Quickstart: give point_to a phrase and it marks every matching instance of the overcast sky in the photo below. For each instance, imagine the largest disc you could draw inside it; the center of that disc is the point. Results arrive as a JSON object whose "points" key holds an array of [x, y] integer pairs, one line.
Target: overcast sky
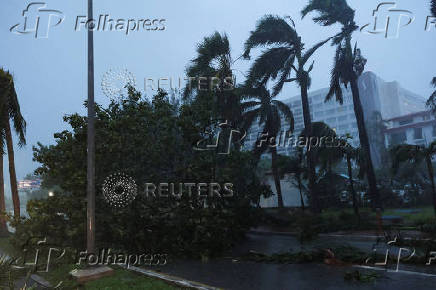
{"points": [[50, 74]]}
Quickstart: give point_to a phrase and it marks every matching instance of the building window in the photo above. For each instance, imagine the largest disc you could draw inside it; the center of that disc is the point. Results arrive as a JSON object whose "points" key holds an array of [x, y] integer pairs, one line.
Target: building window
{"points": [[342, 118], [398, 138], [417, 133], [331, 120], [405, 122]]}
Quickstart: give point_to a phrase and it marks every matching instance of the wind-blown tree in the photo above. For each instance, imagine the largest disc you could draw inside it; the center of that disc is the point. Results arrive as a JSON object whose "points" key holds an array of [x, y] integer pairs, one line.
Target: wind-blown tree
{"points": [[433, 7], [352, 154], [213, 78], [324, 156], [295, 166], [431, 102], [285, 54], [261, 105], [347, 68], [416, 154], [10, 111]]}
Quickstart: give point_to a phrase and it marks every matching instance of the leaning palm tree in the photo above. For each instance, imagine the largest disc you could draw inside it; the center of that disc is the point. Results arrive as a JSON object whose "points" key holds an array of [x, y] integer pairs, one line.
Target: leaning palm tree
{"points": [[431, 102], [416, 154], [262, 106], [285, 55], [297, 168], [10, 111], [213, 75], [348, 66], [352, 154], [433, 7]]}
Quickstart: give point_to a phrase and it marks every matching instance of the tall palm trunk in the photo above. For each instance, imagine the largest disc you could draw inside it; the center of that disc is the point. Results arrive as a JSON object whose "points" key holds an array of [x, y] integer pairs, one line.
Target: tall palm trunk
{"points": [[363, 136], [310, 163], [353, 192], [3, 226], [276, 177], [12, 174], [301, 192], [431, 176]]}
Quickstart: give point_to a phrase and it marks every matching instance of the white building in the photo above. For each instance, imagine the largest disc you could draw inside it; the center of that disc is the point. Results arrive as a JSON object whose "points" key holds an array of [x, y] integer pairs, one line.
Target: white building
{"points": [[387, 98], [415, 129]]}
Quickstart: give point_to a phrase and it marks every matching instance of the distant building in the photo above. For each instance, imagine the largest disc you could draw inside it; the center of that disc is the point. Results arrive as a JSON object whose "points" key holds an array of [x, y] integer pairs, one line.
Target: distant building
{"points": [[388, 99], [29, 184], [416, 129]]}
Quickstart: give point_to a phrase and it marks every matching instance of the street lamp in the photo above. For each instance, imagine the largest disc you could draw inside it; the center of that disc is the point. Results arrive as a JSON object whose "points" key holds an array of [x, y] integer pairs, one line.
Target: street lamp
{"points": [[90, 189]]}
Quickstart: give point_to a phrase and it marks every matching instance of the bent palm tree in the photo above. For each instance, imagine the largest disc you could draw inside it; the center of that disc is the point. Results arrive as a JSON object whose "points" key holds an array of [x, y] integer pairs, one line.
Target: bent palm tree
{"points": [[261, 105], [416, 154], [433, 7], [347, 68], [10, 111], [212, 68], [352, 154], [431, 102], [284, 55]]}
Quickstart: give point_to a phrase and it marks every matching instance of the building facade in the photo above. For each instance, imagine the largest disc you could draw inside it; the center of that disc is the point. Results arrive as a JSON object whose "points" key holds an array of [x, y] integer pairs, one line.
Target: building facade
{"points": [[379, 98], [415, 129]]}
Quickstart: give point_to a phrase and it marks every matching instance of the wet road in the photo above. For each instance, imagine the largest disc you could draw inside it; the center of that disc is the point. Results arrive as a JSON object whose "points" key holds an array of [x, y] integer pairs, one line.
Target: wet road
{"points": [[228, 274]]}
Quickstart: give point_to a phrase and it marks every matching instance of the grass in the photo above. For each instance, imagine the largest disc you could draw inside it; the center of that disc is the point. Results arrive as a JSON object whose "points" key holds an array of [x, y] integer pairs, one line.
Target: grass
{"points": [[426, 215], [122, 279]]}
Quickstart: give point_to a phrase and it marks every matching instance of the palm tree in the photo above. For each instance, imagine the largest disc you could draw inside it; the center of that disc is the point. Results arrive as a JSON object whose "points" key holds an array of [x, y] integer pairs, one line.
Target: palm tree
{"points": [[295, 166], [431, 102], [10, 110], [285, 54], [416, 154], [433, 7], [352, 154], [261, 105], [214, 60], [348, 66]]}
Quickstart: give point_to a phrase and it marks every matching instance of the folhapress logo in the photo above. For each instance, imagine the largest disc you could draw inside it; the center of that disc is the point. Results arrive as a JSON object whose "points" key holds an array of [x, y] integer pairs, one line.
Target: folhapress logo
{"points": [[38, 20]]}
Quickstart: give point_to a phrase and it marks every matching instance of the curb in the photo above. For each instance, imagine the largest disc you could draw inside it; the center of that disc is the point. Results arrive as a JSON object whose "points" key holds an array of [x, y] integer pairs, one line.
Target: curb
{"points": [[172, 279], [353, 237]]}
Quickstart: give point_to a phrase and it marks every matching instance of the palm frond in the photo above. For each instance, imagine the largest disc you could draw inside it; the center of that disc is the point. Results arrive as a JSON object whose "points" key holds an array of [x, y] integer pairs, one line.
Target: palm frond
{"points": [[433, 7], [271, 30], [313, 49], [269, 64], [287, 113], [329, 11]]}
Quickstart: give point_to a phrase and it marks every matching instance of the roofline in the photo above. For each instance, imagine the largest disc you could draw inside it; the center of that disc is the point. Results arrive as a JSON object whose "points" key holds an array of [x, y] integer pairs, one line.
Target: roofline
{"points": [[420, 113]]}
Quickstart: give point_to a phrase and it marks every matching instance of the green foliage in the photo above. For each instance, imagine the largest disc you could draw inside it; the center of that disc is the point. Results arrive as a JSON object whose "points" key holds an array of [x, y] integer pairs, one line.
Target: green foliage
{"points": [[152, 142]]}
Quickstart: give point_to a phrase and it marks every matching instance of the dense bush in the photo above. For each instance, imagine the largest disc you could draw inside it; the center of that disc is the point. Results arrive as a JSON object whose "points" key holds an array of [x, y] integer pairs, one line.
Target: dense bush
{"points": [[151, 141]]}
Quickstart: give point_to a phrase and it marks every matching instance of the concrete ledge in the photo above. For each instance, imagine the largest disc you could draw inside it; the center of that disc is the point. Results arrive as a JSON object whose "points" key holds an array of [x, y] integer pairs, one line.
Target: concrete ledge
{"points": [[86, 275], [172, 279]]}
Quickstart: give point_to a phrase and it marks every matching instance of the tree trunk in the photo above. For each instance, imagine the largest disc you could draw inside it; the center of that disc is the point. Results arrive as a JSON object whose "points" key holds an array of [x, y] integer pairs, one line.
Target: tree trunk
{"points": [[276, 177], [301, 193], [310, 163], [364, 142], [12, 174], [431, 176], [353, 192], [3, 226]]}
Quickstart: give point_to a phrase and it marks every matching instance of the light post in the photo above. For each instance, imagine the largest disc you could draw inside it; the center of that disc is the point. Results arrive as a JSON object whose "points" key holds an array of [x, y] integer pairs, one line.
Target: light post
{"points": [[90, 189]]}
